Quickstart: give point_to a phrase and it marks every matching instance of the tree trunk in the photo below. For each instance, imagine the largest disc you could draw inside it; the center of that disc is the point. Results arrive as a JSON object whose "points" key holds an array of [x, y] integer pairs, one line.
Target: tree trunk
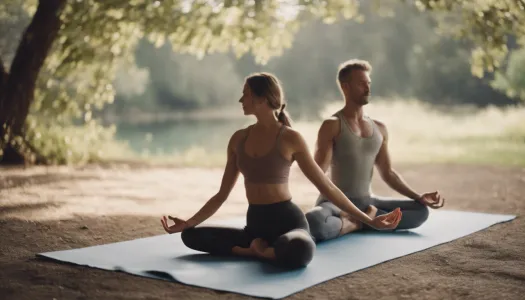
{"points": [[3, 80], [3, 77], [17, 88]]}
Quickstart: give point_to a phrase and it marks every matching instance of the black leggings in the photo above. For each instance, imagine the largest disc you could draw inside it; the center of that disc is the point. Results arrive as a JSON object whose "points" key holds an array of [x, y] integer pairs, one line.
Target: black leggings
{"points": [[283, 225], [325, 222]]}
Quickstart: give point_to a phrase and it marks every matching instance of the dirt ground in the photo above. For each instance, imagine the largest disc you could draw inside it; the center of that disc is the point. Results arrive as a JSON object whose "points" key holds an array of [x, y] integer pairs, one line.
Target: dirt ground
{"points": [[57, 208]]}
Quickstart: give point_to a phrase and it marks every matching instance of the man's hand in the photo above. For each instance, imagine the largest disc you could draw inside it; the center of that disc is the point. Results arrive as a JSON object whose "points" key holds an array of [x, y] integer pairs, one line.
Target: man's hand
{"points": [[179, 225], [432, 200]]}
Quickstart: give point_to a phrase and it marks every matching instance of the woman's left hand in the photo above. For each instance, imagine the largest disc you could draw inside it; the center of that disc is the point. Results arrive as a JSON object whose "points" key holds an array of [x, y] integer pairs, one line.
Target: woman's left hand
{"points": [[387, 221], [179, 225]]}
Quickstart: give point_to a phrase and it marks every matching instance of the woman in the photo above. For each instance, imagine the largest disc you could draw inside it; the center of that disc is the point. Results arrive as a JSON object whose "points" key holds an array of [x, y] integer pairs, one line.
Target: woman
{"points": [[276, 229]]}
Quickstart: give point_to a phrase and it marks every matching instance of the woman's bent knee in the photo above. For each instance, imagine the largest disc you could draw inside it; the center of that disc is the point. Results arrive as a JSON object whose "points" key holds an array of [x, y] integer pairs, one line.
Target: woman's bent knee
{"points": [[295, 249], [188, 237]]}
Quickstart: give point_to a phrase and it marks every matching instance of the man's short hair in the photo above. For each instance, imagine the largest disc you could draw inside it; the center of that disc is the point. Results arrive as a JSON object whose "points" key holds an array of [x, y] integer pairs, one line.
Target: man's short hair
{"points": [[346, 68]]}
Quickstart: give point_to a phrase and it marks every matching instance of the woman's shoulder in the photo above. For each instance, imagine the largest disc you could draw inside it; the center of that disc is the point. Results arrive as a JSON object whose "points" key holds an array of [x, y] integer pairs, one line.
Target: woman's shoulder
{"points": [[239, 134], [291, 135]]}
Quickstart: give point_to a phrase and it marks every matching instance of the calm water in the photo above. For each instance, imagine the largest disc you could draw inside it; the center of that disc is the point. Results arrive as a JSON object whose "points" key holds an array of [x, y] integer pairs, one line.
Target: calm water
{"points": [[179, 136]]}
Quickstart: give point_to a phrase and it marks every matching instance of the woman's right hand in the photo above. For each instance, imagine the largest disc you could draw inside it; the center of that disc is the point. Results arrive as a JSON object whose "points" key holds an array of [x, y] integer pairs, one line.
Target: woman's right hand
{"points": [[387, 221], [179, 225]]}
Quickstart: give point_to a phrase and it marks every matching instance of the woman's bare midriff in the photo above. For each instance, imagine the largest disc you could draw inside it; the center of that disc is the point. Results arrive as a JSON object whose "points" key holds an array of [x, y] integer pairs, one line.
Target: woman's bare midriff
{"points": [[267, 193]]}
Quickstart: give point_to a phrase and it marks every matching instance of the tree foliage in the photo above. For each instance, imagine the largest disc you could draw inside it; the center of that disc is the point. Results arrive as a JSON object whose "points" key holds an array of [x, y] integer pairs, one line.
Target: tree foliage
{"points": [[489, 24], [410, 60], [96, 36], [511, 78]]}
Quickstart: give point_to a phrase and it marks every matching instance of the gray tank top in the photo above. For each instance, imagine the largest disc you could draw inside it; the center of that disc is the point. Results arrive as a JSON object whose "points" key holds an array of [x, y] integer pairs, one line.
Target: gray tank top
{"points": [[353, 159]]}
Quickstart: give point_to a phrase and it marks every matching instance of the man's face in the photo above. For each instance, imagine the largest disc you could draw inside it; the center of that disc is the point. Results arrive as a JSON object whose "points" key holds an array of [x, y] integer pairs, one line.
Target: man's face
{"points": [[358, 87]]}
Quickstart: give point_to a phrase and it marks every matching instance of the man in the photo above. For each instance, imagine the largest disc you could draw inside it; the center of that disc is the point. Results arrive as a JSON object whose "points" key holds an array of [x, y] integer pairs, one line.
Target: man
{"points": [[352, 143]]}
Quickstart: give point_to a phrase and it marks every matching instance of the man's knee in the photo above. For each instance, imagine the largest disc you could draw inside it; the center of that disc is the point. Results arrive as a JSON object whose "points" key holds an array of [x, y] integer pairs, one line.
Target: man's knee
{"points": [[314, 215], [316, 221], [423, 213], [295, 249]]}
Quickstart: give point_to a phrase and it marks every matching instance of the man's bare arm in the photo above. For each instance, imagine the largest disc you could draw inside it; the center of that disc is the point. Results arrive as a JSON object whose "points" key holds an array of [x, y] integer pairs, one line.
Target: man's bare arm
{"points": [[383, 164], [324, 144]]}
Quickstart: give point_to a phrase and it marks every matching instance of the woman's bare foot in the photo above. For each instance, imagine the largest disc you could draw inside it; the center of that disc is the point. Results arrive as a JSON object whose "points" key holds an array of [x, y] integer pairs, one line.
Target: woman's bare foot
{"points": [[350, 224], [261, 249], [371, 211], [242, 251]]}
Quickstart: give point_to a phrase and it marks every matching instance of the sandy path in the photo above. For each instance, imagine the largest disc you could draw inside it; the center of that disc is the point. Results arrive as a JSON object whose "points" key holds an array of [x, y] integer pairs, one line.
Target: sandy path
{"points": [[47, 209]]}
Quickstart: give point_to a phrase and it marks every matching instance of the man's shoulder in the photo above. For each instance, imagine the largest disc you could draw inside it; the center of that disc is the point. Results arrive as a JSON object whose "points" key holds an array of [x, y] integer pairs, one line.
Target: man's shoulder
{"points": [[380, 125], [329, 128], [332, 121]]}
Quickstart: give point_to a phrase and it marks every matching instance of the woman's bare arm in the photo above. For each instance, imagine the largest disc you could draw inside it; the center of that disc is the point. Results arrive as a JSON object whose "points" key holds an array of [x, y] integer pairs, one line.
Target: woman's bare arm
{"points": [[325, 186], [229, 178]]}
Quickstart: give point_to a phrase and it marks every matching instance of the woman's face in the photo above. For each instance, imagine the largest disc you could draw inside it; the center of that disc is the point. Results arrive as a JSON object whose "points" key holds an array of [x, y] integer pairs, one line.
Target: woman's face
{"points": [[250, 102]]}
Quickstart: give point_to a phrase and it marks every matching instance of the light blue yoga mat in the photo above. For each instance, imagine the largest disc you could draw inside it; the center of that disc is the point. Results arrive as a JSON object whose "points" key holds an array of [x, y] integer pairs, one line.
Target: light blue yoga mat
{"points": [[166, 257]]}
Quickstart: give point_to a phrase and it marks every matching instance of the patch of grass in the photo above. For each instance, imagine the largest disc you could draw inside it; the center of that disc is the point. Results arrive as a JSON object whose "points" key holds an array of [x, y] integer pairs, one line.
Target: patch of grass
{"points": [[419, 133], [506, 149]]}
